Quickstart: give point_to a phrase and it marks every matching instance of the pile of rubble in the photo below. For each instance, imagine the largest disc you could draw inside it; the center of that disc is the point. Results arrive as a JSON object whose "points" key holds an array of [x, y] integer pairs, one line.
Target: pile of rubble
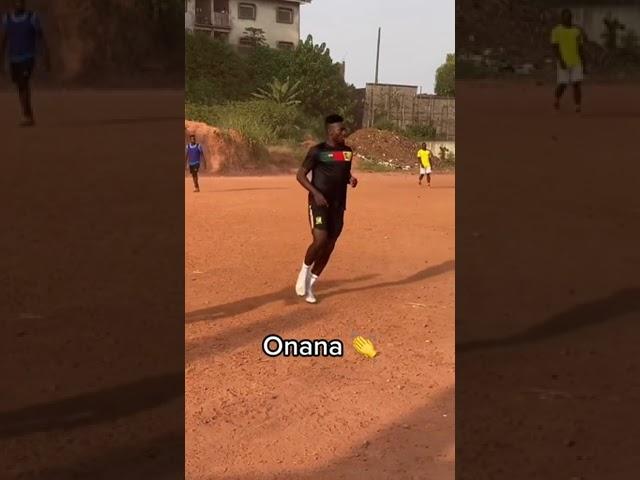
{"points": [[385, 148]]}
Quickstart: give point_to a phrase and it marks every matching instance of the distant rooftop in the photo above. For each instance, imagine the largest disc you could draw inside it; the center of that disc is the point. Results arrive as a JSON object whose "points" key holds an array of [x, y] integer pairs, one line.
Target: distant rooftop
{"points": [[391, 85]]}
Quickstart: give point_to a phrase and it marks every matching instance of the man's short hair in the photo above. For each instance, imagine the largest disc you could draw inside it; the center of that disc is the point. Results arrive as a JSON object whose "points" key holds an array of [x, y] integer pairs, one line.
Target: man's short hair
{"points": [[334, 118]]}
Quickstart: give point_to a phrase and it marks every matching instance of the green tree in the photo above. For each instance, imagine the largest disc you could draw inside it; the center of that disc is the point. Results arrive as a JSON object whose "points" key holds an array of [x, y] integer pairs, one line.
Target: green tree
{"points": [[216, 73], [264, 64], [213, 71], [446, 77], [282, 93], [322, 86], [254, 37]]}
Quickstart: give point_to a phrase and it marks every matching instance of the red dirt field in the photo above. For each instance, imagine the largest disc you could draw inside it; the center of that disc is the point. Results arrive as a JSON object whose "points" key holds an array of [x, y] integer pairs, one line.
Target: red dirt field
{"points": [[547, 291], [91, 373], [391, 279]]}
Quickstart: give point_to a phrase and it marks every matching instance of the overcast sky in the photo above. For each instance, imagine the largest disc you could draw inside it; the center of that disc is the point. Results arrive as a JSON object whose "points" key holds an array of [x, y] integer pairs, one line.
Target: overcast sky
{"points": [[416, 36]]}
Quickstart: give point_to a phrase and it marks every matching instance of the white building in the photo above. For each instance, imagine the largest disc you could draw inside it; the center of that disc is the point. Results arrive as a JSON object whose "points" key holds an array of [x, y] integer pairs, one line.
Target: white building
{"points": [[228, 19]]}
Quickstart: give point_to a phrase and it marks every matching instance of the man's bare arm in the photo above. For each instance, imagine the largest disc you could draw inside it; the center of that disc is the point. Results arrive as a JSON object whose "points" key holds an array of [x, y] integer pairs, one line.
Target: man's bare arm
{"points": [[558, 54], [301, 176]]}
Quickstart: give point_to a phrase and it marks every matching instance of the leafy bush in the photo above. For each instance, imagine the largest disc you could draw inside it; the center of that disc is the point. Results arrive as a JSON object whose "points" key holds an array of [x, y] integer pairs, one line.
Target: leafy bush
{"points": [[213, 71], [448, 163], [446, 77], [383, 124], [421, 132], [263, 64], [260, 121], [322, 86], [284, 93], [216, 73]]}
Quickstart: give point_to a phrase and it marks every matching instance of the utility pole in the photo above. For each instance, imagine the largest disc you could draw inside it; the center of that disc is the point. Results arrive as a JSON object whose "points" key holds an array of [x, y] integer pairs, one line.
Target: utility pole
{"points": [[378, 54]]}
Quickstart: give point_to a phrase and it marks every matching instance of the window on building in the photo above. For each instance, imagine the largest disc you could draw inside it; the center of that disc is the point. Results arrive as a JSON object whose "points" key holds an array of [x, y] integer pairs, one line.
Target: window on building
{"points": [[203, 12], [285, 45], [284, 15], [246, 11]]}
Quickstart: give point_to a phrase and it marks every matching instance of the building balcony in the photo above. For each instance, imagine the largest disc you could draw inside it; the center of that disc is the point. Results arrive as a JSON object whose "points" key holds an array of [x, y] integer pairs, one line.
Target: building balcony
{"points": [[221, 20], [209, 21]]}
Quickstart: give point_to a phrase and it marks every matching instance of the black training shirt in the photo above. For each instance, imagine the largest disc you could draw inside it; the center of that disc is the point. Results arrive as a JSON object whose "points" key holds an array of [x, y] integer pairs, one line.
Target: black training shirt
{"points": [[331, 170]]}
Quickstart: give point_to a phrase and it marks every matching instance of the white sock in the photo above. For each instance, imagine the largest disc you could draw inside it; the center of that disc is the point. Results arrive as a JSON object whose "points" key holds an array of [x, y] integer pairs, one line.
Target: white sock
{"points": [[313, 279]]}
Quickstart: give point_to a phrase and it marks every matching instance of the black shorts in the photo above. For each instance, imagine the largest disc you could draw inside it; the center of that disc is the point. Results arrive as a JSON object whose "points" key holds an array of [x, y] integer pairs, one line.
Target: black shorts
{"points": [[194, 168], [21, 71], [329, 218]]}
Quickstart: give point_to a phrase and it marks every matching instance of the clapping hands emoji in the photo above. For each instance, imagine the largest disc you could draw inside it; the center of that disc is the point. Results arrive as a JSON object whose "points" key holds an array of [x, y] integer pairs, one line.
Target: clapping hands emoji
{"points": [[364, 347]]}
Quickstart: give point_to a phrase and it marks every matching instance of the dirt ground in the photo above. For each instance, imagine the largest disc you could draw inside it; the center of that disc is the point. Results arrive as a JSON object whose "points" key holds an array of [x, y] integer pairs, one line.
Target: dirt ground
{"points": [[91, 369], [547, 292], [250, 417]]}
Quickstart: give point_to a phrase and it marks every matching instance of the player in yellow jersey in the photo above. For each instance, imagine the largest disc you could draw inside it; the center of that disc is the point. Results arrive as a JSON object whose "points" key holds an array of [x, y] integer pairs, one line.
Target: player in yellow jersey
{"points": [[568, 46], [425, 155]]}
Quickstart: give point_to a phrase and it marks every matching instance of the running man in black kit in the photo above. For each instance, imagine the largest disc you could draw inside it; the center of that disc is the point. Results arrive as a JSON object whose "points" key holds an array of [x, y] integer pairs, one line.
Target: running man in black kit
{"points": [[330, 166]]}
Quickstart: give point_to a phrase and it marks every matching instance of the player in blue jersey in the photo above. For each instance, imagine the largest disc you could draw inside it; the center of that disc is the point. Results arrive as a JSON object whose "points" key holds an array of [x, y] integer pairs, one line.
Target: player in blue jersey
{"points": [[21, 36], [194, 157]]}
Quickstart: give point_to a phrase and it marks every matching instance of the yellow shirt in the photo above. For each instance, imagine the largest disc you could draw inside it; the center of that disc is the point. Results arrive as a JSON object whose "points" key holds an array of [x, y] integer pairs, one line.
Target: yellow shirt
{"points": [[425, 158], [568, 39]]}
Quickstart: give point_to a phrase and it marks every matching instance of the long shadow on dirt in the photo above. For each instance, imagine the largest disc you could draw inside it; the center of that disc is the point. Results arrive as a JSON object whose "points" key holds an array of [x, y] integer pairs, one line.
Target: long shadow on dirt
{"points": [[160, 458], [578, 317], [417, 445], [94, 407], [247, 304], [428, 272], [245, 334]]}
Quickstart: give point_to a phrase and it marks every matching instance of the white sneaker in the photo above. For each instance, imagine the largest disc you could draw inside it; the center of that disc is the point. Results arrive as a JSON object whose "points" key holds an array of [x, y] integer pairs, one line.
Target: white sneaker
{"points": [[302, 282], [310, 298]]}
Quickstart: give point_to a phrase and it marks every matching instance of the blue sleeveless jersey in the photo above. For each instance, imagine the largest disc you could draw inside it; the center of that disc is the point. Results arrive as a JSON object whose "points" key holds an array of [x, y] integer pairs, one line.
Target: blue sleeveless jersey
{"points": [[194, 153], [22, 32]]}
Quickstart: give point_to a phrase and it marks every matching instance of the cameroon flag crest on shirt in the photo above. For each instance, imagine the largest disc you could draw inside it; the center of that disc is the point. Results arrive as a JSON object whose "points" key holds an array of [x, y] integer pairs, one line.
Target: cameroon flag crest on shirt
{"points": [[335, 156]]}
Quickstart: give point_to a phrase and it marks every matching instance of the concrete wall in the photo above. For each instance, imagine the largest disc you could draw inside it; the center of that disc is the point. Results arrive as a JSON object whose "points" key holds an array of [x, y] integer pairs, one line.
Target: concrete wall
{"points": [[435, 147], [591, 18], [265, 19], [402, 106], [190, 15]]}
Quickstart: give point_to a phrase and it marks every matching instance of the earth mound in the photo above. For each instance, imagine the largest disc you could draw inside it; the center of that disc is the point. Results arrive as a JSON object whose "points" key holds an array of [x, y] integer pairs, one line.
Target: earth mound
{"points": [[389, 149]]}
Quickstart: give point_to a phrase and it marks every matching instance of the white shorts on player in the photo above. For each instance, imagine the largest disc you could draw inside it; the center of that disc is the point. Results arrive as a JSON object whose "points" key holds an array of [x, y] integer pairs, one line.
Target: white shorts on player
{"points": [[570, 75], [425, 171]]}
